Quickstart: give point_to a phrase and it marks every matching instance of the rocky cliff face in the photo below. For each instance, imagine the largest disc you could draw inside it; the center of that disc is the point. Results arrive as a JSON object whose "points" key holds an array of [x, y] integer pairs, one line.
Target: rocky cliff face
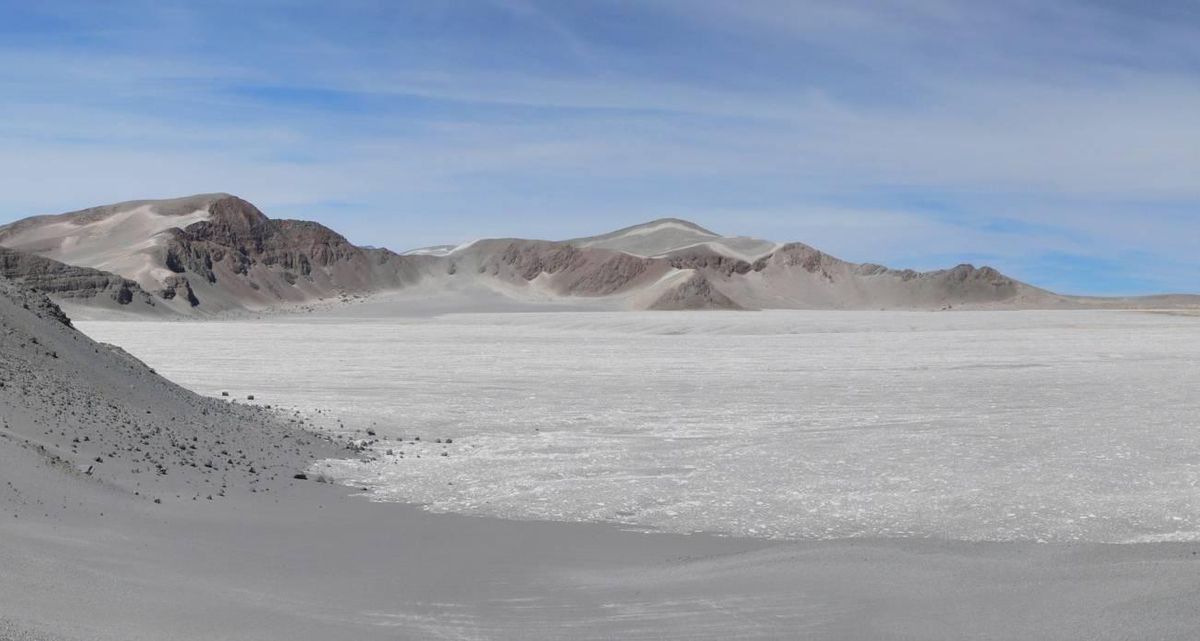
{"points": [[78, 284], [239, 257], [238, 250], [238, 234], [200, 254]]}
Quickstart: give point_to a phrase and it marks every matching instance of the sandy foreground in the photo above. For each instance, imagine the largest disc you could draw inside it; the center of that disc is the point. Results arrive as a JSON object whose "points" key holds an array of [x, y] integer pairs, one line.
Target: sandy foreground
{"points": [[314, 563]]}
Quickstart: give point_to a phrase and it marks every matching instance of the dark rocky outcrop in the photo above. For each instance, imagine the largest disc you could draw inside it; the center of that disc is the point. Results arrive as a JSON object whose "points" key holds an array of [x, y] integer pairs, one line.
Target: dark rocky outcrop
{"points": [[694, 293], [241, 254], [711, 261], [574, 271], [179, 286], [79, 284]]}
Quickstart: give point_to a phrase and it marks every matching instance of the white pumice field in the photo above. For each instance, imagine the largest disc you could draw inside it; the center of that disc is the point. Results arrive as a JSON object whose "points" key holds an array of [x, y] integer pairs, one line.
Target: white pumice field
{"points": [[1062, 426]]}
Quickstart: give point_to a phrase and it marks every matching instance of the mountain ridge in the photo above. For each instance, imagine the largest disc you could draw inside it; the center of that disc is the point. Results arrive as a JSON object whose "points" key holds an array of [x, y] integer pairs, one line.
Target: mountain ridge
{"points": [[217, 253]]}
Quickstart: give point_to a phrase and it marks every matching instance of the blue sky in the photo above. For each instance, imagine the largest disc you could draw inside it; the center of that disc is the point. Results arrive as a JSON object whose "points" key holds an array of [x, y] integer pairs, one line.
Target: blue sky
{"points": [[1057, 141]]}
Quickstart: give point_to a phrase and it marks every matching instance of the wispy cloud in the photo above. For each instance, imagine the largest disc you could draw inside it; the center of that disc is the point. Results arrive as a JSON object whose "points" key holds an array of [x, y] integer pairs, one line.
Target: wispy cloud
{"points": [[1059, 141]]}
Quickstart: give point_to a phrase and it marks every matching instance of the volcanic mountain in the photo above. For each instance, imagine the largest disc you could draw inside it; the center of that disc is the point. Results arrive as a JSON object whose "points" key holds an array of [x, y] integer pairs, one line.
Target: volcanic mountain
{"points": [[215, 253], [205, 253]]}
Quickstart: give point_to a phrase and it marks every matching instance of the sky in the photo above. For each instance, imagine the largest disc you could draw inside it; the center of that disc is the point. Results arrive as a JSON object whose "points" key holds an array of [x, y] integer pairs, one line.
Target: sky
{"points": [[1056, 141]]}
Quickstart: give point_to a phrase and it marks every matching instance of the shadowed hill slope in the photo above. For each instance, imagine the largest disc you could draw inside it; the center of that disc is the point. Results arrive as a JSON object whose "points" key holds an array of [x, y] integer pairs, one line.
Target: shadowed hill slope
{"points": [[73, 410]]}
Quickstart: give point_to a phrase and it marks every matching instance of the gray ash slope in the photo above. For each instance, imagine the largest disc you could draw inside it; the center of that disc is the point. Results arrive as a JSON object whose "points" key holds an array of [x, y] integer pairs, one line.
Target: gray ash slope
{"points": [[77, 414], [214, 253]]}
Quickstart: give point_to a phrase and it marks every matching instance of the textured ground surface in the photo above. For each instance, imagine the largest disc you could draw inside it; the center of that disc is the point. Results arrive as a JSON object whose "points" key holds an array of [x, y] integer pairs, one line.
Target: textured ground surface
{"points": [[94, 557], [1067, 426]]}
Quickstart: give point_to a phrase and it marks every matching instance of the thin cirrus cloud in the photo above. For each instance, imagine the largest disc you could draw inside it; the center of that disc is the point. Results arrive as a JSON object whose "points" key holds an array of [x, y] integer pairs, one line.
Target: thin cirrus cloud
{"points": [[1058, 143]]}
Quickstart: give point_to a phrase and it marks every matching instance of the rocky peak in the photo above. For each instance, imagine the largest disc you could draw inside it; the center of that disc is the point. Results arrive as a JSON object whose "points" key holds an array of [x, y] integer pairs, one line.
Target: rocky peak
{"points": [[233, 222]]}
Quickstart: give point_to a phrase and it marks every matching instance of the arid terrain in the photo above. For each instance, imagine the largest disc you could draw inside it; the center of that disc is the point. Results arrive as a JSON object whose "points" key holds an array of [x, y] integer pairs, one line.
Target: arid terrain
{"points": [[214, 254], [371, 444], [109, 532], [533, 320]]}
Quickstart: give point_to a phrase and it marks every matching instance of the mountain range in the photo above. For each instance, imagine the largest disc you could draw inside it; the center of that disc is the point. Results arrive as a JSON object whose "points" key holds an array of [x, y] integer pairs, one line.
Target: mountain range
{"points": [[217, 253]]}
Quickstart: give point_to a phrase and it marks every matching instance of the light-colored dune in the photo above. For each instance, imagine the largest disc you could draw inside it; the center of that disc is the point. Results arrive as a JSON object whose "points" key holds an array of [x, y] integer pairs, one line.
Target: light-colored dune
{"points": [[125, 238], [660, 238]]}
